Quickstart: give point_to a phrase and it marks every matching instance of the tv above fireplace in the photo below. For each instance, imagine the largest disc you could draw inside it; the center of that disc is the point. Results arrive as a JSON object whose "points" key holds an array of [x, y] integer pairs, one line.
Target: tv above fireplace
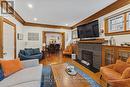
{"points": [[88, 30]]}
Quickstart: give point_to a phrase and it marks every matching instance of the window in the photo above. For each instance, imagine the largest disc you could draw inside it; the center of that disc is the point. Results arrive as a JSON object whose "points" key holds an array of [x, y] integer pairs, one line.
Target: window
{"points": [[33, 36], [116, 24], [128, 21]]}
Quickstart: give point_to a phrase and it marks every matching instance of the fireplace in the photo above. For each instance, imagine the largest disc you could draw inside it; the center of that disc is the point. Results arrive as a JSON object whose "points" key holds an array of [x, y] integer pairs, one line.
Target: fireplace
{"points": [[90, 53], [87, 57]]}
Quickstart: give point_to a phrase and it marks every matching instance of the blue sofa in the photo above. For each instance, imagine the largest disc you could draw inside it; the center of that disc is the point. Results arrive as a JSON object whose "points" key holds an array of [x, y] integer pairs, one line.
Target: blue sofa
{"points": [[29, 53]]}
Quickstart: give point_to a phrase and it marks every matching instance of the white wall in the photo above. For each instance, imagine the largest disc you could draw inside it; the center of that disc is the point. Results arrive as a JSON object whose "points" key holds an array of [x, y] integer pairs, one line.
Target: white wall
{"points": [[38, 44], [19, 27]]}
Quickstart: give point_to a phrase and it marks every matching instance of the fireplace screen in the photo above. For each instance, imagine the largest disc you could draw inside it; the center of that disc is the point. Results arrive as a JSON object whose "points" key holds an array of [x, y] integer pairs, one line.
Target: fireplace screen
{"points": [[87, 57]]}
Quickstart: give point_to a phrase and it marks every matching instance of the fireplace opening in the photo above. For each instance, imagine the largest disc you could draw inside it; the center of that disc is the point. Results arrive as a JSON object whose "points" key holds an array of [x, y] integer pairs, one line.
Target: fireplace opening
{"points": [[87, 60], [87, 57]]}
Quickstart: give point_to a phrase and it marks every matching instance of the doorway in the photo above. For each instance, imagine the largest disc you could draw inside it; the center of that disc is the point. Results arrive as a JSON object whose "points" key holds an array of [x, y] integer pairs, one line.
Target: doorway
{"points": [[7, 39], [53, 38]]}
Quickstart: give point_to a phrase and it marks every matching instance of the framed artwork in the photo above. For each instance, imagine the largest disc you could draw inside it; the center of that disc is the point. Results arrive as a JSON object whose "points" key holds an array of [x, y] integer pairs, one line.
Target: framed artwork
{"points": [[33, 36], [20, 36], [74, 34]]}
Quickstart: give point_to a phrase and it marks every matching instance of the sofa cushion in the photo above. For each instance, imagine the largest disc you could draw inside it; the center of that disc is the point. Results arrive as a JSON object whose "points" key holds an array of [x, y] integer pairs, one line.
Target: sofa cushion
{"points": [[31, 76], [11, 66], [110, 74], [22, 52], [36, 51], [36, 56], [28, 51], [126, 73], [1, 73], [120, 66]]}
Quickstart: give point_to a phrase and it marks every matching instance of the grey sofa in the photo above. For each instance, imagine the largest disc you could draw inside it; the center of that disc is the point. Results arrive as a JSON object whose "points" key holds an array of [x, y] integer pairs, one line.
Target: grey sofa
{"points": [[29, 53], [30, 76]]}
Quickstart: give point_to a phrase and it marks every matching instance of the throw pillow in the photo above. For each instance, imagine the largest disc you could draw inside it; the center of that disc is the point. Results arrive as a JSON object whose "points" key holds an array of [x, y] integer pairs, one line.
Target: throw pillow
{"points": [[11, 66], [1, 73], [120, 66], [126, 73], [36, 51]]}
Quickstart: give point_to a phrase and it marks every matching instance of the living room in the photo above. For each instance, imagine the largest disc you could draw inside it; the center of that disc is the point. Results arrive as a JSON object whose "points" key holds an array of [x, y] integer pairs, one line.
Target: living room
{"points": [[61, 44]]}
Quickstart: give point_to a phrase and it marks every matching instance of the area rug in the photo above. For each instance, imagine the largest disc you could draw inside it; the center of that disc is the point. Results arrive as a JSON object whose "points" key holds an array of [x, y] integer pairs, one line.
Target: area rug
{"points": [[48, 80], [92, 82]]}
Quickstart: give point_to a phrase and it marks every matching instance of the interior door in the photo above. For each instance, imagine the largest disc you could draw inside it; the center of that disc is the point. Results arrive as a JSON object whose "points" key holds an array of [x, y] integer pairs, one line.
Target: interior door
{"points": [[8, 41]]}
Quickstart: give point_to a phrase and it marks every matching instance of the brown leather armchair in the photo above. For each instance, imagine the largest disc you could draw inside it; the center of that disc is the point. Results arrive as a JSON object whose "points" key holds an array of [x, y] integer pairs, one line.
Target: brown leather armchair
{"points": [[68, 50], [117, 75]]}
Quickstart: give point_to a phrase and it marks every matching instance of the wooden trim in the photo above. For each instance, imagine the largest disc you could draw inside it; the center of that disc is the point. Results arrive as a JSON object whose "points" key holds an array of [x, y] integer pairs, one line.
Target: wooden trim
{"points": [[116, 5], [97, 41], [63, 41], [125, 22], [106, 25], [15, 14], [22, 21], [46, 25], [2, 20], [1, 37], [116, 46], [118, 33], [12, 24], [63, 37]]}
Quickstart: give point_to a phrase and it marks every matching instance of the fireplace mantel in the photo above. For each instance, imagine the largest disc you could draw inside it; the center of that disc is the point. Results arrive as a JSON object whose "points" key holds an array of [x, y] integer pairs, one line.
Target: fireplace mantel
{"points": [[96, 41]]}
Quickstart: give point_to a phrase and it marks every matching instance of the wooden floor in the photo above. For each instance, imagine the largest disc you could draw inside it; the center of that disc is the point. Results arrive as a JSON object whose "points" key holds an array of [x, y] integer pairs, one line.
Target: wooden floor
{"points": [[58, 58]]}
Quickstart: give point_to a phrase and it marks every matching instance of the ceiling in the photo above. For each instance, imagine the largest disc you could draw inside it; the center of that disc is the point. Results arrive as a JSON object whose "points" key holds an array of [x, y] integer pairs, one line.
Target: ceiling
{"points": [[59, 12]]}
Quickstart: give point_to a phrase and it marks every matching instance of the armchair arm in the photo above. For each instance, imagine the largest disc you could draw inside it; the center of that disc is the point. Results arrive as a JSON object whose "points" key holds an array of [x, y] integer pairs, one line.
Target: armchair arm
{"points": [[126, 73], [120, 83], [30, 63], [109, 66]]}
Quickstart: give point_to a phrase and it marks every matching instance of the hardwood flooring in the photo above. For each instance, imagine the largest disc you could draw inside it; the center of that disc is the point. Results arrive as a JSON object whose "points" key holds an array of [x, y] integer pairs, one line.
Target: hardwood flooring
{"points": [[59, 58]]}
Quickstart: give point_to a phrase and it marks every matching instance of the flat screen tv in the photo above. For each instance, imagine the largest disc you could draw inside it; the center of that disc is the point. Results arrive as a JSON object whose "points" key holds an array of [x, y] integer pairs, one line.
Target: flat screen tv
{"points": [[89, 30]]}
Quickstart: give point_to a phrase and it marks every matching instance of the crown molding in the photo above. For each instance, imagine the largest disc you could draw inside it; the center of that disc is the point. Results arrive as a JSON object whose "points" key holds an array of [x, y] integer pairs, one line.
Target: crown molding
{"points": [[116, 5], [14, 13], [25, 23], [46, 25]]}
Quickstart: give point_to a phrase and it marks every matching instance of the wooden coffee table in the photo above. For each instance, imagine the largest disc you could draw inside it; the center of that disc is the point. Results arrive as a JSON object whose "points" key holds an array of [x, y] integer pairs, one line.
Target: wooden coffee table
{"points": [[62, 79]]}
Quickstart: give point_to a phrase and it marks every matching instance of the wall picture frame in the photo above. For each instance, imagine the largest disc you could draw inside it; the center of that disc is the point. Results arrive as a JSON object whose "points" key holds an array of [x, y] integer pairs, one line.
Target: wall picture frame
{"points": [[20, 36], [74, 34]]}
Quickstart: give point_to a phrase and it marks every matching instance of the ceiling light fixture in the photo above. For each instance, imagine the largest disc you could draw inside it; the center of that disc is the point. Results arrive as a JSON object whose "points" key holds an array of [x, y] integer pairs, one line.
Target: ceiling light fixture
{"points": [[66, 24], [35, 19], [30, 5]]}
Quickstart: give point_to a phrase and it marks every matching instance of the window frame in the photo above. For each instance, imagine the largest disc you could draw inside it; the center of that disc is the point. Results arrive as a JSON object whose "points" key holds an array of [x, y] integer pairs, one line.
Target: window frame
{"points": [[125, 29]]}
